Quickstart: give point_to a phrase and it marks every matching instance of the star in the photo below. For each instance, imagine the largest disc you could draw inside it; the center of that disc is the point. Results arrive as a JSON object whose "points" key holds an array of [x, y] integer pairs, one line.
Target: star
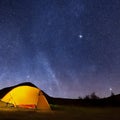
{"points": [[28, 76], [80, 36]]}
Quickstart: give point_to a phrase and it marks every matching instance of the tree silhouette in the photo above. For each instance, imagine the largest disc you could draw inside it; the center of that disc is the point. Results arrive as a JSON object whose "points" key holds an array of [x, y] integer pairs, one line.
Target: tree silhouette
{"points": [[79, 97], [94, 96], [112, 94], [91, 96], [87, 97]]}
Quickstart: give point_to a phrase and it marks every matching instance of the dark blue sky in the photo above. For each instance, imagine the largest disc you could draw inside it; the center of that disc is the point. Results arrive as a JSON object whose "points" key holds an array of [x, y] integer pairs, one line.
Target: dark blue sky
{"points": [[68, 48]]}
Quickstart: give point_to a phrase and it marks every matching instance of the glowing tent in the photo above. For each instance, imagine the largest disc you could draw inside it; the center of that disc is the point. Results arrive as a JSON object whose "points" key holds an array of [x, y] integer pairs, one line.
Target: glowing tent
{"points": [[26, 96]]}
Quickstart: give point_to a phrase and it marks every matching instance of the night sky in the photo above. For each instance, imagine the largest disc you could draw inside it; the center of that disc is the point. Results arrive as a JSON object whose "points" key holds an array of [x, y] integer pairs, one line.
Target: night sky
{"points": [[68, 48]]}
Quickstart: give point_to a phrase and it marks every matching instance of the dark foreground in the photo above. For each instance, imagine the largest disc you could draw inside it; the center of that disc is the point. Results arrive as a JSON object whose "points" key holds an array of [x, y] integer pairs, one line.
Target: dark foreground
{"points": [[63, 113]]}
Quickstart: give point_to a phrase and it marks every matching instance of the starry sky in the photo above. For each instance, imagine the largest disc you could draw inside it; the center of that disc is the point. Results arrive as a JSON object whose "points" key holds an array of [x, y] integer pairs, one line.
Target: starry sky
{"points": [[68, 48]]}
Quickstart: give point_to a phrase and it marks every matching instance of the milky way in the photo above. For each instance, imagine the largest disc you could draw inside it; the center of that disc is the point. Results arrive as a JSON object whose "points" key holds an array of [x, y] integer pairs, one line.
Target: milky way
{"points": [[68, 48]]}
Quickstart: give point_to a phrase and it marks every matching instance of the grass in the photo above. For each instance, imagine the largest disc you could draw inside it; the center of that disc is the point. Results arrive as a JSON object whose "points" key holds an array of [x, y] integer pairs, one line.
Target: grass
{"points": [[62, 113]]}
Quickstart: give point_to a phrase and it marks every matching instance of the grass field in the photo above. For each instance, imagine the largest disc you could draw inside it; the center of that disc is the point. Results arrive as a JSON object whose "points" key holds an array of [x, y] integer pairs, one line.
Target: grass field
{"points": [[62, 113]]}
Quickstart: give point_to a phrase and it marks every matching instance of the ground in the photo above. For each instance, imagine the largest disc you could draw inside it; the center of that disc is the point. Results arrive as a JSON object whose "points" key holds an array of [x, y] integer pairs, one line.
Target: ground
{"points": [[63, 113]]}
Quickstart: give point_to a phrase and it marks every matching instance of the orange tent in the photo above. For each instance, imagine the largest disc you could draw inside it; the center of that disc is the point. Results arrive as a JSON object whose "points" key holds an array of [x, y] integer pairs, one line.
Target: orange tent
{"points": [[27, 97]]}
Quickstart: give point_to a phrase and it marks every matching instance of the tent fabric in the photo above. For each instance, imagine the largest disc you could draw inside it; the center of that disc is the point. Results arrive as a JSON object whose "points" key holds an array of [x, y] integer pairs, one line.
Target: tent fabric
{"points": [[27, 97], [4, 91], [4, 104]]}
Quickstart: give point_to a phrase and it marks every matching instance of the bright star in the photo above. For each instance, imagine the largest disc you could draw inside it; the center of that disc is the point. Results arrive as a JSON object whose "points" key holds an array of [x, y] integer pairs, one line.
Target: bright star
{"points": [[80, 36]]}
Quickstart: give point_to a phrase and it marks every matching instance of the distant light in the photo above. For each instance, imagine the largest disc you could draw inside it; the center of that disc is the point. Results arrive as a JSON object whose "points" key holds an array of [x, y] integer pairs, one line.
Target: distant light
{"points": [[110, 89], [80, 36]]}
